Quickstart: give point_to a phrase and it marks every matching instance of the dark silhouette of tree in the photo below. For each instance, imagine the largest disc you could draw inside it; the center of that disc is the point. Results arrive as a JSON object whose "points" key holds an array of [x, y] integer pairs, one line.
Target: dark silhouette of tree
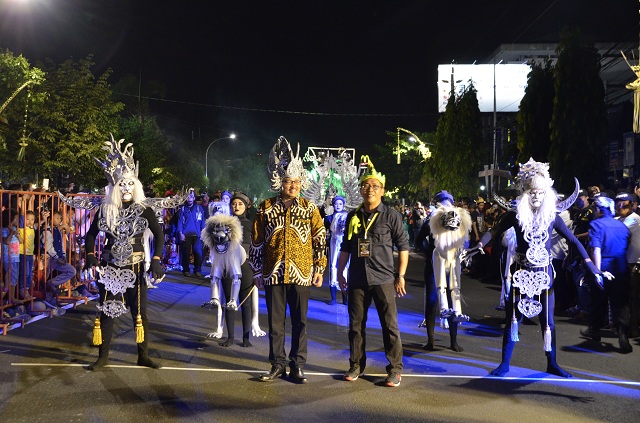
{"points": [[536, 109], [578, 125]]}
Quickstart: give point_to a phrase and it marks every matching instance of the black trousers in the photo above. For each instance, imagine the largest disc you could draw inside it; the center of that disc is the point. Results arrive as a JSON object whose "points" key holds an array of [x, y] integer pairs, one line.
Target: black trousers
{"points": [[246, 283], [191, 241], [359, 302], [297, 298], [131, 300]]}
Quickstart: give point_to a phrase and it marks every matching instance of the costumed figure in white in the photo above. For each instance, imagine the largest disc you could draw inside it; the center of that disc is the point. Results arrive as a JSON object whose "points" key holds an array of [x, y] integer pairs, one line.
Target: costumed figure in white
{"points": [[449, 227], [336, 228], [531, 292], [125, 216]]}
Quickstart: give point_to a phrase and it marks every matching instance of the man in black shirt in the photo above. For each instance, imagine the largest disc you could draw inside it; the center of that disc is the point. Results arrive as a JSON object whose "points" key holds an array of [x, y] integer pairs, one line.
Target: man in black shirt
{"points": [[372, 231]]}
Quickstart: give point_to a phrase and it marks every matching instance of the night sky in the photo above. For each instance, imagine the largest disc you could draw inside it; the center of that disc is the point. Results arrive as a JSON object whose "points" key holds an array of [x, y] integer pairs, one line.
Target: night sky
{"points": [[361, 67]]}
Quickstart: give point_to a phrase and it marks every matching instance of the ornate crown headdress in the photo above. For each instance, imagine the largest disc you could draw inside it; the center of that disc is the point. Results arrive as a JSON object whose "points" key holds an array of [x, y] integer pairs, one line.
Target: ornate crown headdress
{"points": [[533, 175], [370, 171], [284, 164], [118, 163]]}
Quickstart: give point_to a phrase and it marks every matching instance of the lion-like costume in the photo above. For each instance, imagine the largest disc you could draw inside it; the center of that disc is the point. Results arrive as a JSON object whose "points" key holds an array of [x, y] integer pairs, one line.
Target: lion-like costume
{"points": [[450, 228]]}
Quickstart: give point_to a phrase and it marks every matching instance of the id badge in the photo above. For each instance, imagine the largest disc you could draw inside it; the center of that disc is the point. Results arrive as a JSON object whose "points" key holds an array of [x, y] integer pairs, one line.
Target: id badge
{"points": [[364, 247]]}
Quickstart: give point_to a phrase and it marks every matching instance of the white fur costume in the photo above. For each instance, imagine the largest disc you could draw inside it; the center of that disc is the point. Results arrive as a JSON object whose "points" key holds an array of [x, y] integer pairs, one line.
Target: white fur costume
{"points": [[223, 235], [449, 242]]}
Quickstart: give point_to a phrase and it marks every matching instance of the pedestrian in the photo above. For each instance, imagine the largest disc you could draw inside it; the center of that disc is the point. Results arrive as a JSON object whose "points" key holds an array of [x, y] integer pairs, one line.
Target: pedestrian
{"points": [[373, 229], [190, 224], [287, 256]]}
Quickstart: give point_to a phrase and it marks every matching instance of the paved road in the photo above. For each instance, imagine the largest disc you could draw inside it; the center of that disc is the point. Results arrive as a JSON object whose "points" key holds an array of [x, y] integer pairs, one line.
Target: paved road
{"points": [[43, 377]]}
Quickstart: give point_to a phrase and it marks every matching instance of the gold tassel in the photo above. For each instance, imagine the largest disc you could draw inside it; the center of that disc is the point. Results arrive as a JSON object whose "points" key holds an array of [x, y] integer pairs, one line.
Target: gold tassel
{"points": [[97, 332], [139, 330]]}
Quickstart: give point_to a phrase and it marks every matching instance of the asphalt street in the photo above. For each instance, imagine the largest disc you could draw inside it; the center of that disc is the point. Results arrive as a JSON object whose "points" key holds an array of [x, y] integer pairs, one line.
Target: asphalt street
{"points": [[43, 376]]}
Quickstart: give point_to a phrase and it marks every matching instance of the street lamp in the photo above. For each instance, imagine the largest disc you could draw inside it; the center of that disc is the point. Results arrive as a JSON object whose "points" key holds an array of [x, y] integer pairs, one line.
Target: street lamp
{"points": [[206, 154]]}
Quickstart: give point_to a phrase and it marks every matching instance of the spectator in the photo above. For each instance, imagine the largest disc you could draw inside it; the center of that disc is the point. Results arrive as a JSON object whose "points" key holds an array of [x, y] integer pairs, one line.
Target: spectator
{"points": [[190, 224], [287, 256], [10, 251], [418, 216], [27, 236], [373, 229], [625, 211], [52, 240], [609, 240]]}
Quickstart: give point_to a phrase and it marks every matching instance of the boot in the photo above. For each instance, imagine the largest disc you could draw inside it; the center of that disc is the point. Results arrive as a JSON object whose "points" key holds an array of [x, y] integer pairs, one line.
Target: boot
{"points": [[143, 356], [103, 358], [453, 334], [333, 290], [507, 351], [552, 365], [430, 323]]}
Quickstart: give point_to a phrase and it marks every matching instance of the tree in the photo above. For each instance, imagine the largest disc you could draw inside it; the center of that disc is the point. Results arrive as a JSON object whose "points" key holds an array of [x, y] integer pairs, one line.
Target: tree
{"points": [[460, 150], [19, 91], [534, 115], [69, 129], [578, 124]]}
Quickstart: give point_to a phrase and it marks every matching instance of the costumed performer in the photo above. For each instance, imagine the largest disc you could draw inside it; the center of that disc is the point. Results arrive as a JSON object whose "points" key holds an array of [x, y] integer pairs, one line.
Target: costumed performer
{"points": [[336, 228], [532, 272], [448, 229], [124, 218]]}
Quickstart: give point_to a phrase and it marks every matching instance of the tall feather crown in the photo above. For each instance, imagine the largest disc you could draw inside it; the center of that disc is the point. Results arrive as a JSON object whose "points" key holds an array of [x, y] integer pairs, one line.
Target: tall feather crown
{"points": [[533, 175], [118, 163], [284, 164], [370, 171]]}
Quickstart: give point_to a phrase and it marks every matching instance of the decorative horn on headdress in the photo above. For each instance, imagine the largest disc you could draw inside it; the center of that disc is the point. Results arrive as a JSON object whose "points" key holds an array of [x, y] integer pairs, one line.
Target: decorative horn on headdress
{"points": [[568, 202], [118, 163], [283, 163]]}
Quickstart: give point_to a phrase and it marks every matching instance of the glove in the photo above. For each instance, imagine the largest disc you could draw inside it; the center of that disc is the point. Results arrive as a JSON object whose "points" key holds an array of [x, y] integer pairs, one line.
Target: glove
{"points": [[91, 261], [157, 271]]}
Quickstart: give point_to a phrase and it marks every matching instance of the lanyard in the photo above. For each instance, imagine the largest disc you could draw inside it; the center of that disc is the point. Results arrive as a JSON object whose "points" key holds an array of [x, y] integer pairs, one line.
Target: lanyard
{"points": [[368, 226]]}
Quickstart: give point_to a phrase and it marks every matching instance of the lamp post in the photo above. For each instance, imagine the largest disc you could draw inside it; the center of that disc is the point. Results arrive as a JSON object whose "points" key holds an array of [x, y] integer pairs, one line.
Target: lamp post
{"points": [[206, 154]]}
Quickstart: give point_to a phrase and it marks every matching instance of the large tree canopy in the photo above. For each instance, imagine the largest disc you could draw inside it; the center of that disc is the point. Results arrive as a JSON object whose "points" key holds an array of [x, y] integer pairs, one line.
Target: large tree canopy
{"points": [[578, 124]]}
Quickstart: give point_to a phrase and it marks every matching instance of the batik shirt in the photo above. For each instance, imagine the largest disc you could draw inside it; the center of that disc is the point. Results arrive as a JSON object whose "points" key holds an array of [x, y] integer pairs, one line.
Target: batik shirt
{"points": [[288, 245]]}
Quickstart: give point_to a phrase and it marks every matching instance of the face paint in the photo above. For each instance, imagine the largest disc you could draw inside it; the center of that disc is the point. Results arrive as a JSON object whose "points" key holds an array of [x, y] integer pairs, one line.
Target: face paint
{"points": [[126, 185], [535, 197]]}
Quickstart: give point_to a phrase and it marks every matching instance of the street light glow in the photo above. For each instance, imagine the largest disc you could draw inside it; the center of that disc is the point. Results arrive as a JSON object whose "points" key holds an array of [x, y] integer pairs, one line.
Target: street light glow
{"points": [[232, 136]]}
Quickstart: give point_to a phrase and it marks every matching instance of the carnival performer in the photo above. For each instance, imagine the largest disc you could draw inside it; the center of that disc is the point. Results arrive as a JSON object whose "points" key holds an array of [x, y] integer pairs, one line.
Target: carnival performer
{"points": [[447, 230], [532, 273], [287, 256], [336, 228], [124, 218]]}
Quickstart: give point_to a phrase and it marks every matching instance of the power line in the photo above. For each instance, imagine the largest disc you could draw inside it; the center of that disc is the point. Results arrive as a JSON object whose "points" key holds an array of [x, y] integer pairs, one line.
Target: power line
{"points": [[291, 112]]}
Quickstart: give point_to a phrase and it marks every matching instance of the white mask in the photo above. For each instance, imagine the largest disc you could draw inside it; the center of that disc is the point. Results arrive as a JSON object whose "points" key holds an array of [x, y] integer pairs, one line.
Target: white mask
{"points": [[126, 185], [535, 197]]}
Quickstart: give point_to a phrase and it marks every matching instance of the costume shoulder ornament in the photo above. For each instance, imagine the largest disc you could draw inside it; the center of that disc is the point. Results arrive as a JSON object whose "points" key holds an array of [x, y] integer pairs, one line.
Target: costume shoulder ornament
{"points": [[283, 163]]}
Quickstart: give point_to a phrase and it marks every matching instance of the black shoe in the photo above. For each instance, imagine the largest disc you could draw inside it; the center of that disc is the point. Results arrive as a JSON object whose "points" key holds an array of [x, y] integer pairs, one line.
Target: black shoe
{"points": [[591, 334], [197, 274], [297, 375], [274, 373], [186, 274], [625, 346]]}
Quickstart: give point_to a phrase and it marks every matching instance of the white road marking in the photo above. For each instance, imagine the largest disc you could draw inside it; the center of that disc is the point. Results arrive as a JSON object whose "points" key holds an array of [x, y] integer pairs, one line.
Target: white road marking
{"points": [[404, 375]]}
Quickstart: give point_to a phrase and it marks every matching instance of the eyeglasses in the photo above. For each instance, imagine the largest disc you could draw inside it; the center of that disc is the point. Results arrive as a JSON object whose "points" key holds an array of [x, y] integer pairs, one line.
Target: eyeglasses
{"points": [[370, 187], [288, 182]]}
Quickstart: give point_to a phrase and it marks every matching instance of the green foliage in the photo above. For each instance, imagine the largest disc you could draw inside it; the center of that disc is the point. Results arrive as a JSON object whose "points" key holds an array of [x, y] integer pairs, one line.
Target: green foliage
{"points": [[151, 146], [69, 127], [536, 109], [460, 150], [19, 87], [578, 124]]}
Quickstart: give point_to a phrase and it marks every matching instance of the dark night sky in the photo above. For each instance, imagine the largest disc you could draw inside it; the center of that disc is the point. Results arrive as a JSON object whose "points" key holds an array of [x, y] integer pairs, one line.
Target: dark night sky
{"points": [[335, 57]]}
